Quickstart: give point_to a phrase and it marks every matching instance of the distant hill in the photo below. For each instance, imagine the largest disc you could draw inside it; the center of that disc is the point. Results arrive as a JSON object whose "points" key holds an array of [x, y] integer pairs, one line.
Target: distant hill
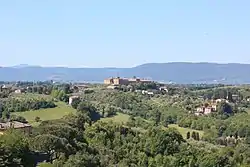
{"points": [[23, 66], [165, 72]]}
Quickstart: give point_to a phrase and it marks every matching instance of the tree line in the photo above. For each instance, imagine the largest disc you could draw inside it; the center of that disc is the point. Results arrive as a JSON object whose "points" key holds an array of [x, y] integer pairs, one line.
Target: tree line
{"points": [[20, 105]]}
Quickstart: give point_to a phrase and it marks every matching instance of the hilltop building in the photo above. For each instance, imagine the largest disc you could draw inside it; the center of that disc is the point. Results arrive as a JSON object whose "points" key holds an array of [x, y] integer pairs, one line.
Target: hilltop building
{"points": [[124, 81]]}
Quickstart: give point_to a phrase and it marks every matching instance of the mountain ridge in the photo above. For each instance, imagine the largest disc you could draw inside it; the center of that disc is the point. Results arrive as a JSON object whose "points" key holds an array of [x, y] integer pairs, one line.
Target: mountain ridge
{"points": [[28, 65], [178, 72]]}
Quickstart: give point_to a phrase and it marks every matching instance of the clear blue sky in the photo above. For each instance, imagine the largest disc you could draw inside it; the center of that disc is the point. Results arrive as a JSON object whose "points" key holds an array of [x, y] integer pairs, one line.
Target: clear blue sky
{"points": [[123, 33]]}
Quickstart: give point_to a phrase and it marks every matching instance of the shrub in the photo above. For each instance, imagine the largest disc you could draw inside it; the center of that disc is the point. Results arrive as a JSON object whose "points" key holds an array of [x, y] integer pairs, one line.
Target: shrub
{"points": [[37, 119]]}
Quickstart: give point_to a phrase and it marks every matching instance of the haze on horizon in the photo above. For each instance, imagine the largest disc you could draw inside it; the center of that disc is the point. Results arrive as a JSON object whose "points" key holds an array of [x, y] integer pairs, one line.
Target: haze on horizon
{"points": [[123, 33]]}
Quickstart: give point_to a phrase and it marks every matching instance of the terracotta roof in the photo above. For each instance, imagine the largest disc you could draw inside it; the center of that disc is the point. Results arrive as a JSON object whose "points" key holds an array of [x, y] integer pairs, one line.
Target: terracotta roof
{"points": [[13, 124]]}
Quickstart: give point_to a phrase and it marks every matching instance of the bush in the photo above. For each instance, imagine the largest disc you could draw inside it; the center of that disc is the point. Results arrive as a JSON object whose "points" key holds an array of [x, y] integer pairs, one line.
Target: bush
{"points": [[188, 135], [18, 118], [37, 119], [194, 135], [75, 103]]}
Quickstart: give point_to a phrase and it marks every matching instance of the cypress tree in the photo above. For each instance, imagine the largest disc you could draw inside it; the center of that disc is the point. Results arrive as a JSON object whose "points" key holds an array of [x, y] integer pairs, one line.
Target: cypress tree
{"points": [[188, 135], [194, 135], [197, 136]]}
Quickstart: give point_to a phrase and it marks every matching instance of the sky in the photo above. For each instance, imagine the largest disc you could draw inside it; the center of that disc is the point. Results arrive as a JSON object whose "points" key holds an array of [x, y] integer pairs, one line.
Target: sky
{"points": [[123, 33]]}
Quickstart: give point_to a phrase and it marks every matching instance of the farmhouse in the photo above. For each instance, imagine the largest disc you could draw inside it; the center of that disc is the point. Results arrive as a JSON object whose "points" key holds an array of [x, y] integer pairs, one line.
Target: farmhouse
{"points": [[15, 125], [18, 91], [221, 100], [235, 97], [163, 89], [81, 87], [72, 98], [205, 110]]}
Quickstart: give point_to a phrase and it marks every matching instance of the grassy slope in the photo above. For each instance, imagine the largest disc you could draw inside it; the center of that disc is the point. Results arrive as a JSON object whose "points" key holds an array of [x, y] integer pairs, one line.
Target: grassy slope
{"points": [[31, 96], [119, 118], [183, 131], [248, 111], [47, 114], [123, 118]]}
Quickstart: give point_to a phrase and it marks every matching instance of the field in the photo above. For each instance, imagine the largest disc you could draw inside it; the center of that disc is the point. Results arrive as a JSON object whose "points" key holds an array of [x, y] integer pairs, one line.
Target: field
{"points": [[119, 118], [31, 96], [183, 131], [248, 111], [123, 118], [61, 110]]}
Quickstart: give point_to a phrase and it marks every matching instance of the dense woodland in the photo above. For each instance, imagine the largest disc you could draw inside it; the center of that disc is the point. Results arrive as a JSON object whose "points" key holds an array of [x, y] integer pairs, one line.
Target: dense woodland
{"points": [[146, 139]]}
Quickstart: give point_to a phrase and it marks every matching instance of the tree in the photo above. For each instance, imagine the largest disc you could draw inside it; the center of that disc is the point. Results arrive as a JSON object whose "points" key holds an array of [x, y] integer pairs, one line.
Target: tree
{"points": [[6, 114], [75, 102], [40, 89], [225, 108], [29, 89], [165, 142], [61, 95], [229, 96], [55, 93], [85, 107], [157, 117], [242, 154], [18, 118], [80, 121], [34, 89], [197, 136], [188, 135], [66, 88], [143, 159], [14, 150], [88, 109], [81, 159], [37, 119], [1, 109], [194, 135], [48, 143], [75, 89], [210, 135]]}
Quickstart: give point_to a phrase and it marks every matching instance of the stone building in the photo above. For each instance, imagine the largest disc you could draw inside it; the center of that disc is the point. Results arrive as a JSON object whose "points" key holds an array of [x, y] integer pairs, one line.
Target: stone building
{"points": [[15, 125], [124, 81]]}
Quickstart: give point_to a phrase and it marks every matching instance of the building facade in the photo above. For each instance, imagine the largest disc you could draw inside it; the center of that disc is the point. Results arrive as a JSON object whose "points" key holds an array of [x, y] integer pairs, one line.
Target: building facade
{"points": [[124, 81]]}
